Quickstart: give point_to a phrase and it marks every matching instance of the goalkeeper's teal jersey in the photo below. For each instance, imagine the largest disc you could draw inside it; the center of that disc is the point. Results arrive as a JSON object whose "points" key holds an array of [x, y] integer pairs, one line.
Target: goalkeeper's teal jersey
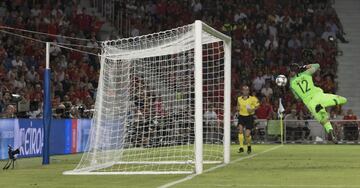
{"points": [[302, 86]]}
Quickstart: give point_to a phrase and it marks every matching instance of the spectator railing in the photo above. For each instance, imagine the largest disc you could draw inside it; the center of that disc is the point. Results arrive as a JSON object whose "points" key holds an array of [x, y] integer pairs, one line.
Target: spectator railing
{"points": [[303, 131], [116, 12]]}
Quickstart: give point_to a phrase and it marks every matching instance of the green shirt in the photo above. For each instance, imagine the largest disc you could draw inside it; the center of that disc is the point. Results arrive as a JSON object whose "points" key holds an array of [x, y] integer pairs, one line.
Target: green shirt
{"points": [[302, 84]]}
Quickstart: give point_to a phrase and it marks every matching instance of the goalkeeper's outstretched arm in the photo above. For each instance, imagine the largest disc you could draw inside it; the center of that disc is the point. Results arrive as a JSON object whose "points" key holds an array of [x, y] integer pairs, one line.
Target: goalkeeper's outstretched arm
{"points": [[311, 68], [307, 69]]}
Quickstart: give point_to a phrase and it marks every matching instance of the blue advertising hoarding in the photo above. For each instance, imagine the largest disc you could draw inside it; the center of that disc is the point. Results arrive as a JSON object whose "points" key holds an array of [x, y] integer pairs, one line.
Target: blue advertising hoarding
{"points": [[6, 136], [66, 136], [60, 136], [83, 131], [28, 137]]}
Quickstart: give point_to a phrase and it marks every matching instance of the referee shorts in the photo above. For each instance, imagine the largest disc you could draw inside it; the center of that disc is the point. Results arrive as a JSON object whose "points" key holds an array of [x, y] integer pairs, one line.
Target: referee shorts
{"points": [[246, 121]]}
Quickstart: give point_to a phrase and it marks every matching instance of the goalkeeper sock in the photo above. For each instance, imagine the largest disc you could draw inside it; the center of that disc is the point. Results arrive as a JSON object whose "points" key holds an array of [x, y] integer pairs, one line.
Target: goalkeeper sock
{"points": [[248, 140], [328, 127], [241, 140]]}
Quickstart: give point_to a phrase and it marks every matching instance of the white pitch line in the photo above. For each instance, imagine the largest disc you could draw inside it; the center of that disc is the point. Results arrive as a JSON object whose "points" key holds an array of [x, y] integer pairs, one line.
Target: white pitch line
{"points": [[285, 185], [216, 167]]}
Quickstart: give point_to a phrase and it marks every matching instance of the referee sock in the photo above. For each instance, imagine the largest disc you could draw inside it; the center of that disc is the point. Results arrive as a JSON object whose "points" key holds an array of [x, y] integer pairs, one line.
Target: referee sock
{"points": [[328, 127], [248, 140], [241, 140]]}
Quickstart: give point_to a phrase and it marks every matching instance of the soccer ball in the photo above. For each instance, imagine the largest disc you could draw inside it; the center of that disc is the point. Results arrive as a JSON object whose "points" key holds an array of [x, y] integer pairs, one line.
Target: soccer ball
{"points": [[281, 80]]}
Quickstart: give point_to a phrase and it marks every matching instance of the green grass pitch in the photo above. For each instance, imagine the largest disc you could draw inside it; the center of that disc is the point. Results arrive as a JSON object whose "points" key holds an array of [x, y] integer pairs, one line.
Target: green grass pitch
{"points": [[286, 166]]}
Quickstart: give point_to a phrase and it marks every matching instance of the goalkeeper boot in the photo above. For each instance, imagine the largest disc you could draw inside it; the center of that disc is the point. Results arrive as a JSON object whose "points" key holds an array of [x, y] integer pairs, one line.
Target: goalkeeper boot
{"points": [[332, 137], [248, 149], [241, 150]]}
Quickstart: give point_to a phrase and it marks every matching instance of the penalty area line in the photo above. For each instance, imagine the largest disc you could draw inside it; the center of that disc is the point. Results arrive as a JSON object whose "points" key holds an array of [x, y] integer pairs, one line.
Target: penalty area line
{"points": [[216, 167]]}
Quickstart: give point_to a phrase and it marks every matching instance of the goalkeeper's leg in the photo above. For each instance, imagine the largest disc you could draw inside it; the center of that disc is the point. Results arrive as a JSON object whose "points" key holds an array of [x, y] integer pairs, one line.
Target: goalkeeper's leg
{"points": [[317, 108], [323, 117], [328, 100], [323, 101]]}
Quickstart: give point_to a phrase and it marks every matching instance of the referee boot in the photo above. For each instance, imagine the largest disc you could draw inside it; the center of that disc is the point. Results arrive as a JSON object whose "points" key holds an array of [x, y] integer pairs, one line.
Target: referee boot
{"points": [[248, 149], [241, 150]]}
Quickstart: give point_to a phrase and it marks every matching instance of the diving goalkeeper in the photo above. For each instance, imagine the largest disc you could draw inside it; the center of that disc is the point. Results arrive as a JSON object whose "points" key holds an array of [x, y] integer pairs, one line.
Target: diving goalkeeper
{"points": [[302, 86]]}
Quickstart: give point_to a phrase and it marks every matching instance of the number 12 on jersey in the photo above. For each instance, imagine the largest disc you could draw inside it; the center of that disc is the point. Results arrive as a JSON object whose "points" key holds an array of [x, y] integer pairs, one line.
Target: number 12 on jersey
{"points": [[304, 86]]}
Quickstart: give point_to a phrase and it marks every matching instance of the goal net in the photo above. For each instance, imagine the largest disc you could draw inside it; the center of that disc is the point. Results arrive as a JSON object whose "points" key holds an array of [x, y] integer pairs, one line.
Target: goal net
{"points": [[162, 104]]}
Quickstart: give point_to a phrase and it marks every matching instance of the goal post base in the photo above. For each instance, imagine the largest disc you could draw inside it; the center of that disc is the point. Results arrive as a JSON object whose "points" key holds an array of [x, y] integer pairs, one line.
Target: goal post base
{"points": [[74, 172], [166, 162], [127, 173]]}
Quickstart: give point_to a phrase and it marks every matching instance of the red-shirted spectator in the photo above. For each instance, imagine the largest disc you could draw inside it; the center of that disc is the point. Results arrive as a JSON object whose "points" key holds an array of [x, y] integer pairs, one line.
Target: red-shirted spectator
{"points": [[76, 55], [37, 94], [350, 115], [96, 25], [161, 8], [3, 53], [52, 28], [328, 85], [265, 110], [247, 56], [351, 128]]}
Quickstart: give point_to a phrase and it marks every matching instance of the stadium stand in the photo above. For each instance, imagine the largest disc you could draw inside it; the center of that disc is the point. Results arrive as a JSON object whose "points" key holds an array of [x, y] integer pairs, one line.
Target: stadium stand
{"points": [[267, 36]]}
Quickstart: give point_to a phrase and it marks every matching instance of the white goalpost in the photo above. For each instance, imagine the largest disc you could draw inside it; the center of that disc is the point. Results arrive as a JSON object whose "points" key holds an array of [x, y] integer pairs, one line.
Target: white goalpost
{"points": [[162, 104]]}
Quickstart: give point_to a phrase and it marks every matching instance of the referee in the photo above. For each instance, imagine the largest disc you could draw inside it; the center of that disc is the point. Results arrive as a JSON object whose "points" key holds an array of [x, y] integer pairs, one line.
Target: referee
{"points": [[246, 105]]}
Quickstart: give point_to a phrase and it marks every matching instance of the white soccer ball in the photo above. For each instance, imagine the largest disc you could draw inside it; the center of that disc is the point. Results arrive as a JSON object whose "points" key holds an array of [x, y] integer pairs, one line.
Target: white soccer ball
{"points": [[281, 80]]}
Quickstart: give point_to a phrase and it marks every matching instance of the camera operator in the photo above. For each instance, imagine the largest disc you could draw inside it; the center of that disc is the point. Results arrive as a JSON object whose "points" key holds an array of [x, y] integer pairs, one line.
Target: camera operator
{"points": [[60, 112], [75, 112], [84, 112], [12, 153], [88, 113], [35, 110]]}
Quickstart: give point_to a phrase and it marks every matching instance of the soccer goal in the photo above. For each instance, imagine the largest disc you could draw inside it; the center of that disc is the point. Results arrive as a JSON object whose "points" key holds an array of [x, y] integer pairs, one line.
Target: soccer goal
{"points": [[162, 104]]}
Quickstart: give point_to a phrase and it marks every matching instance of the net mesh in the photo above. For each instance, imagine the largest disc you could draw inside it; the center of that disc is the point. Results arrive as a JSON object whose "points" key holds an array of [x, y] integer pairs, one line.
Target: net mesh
{"points": [[144, 112]]}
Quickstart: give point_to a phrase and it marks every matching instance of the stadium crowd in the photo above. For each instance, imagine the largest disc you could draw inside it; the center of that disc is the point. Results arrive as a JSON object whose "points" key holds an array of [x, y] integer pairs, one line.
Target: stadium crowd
{"points": [[267, 36], [74, 74]]}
